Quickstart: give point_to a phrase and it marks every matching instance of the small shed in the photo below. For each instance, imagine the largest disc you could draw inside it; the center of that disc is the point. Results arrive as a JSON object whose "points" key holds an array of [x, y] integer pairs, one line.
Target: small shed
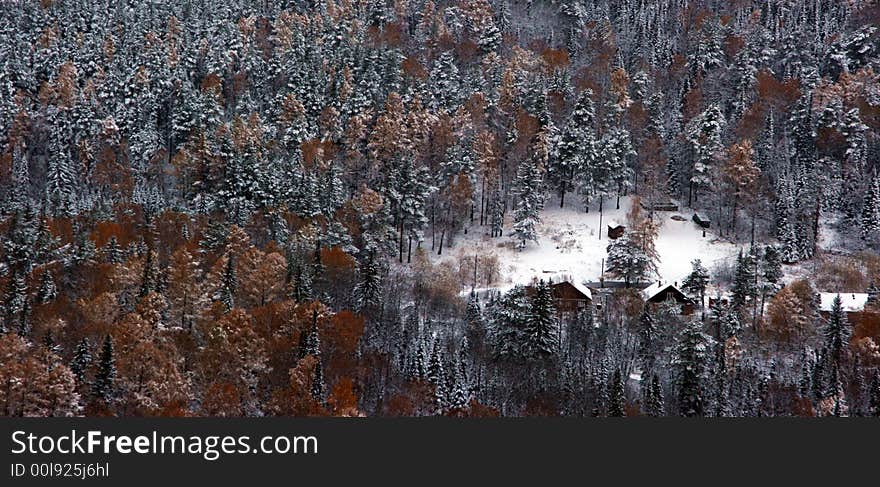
{"points": [[702, 220], [615, 230], [663, 292]]}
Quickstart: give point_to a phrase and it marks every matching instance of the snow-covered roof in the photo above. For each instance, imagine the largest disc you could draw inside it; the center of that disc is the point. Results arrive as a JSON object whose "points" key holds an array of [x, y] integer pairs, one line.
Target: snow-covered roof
{"points": [[851, 302], [656, 288], [557, 278], [614, 224]]}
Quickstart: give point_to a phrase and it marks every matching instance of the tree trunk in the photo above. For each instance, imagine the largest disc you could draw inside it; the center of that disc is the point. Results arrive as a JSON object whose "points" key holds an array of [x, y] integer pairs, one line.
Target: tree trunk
{"points": [[400, 244]]}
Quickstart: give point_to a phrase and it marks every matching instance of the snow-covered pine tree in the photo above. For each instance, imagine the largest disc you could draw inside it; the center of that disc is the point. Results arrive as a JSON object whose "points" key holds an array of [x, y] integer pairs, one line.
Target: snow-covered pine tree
{"points": [[368, 289], [744, 289], [837, 332], [697, 281], [654, 404], [874, 395], [47, 290], [703, 134], [541, 327], [576, 151], [870, 221], [82, 360], [690, 363], [528, 190], [627, 260], [616, 396]]}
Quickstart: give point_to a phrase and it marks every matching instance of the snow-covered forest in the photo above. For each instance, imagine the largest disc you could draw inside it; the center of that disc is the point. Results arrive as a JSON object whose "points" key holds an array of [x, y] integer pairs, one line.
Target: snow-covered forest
{"points": [[439, 207]]}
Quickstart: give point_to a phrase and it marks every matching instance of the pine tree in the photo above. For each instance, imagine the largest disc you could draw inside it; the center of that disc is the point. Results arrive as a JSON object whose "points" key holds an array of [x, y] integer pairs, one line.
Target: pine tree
{"points": [[697, 281], [16, 306], [654, 402], [744, 289], [576, 150], [104, 387], [47, 291], [541, 327], [649, 344], [447, 83], [318, 385], [528, 188], [459, 395], [628, 260], [475, 331], [436, 373], [837, 332], [703, 133], [150, 278], [82, 360], [311, 341], [690, 362], [874, 395], [228, 284], [496, 214], [112, 253], [616, 398], [871, 210], [368, 289]]}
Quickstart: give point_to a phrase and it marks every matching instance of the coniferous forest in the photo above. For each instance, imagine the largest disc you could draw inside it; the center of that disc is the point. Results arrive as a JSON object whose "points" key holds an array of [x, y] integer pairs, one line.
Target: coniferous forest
{"points": [[351, 208]]}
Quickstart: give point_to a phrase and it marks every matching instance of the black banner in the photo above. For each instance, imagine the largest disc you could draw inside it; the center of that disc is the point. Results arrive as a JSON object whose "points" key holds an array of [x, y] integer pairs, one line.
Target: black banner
{"points": [[137, 451]]}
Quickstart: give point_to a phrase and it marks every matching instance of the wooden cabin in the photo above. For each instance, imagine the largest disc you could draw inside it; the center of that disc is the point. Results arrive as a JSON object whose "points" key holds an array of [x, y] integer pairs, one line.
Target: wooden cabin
{"points": [[702, 220], [615, 230], [571, 297], [668, 292]]}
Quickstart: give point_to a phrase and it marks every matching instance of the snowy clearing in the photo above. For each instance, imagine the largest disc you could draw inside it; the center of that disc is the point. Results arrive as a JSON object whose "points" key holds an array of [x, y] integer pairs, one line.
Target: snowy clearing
{"points": [[569, 243]]}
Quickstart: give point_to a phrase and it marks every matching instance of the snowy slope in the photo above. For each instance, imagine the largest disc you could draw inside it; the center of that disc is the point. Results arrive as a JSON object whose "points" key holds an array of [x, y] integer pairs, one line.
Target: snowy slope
{"points": [[569, 243]]}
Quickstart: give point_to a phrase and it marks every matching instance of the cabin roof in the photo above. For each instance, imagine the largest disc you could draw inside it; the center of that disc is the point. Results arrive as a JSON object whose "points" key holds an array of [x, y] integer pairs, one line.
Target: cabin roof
{"points": [[583, 289], [851, 302], [657, 288]]}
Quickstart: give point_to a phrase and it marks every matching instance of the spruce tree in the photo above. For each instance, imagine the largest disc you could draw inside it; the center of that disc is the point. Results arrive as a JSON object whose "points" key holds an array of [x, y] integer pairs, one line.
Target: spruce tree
{"points": [[616, 398], [696, 282], [104, 387], [576, 150], [82, 360], [690, 363], [837, 332], [744, 289], [541, 326], [871, 210], [874, 395], [47, 291], [648, 344], [528, 188], [228, 284], [368, 289], [654, 402]]}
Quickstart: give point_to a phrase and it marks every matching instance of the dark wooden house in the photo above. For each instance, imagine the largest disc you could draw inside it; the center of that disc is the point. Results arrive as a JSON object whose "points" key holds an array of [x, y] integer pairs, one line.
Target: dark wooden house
{"points": [[702, 220], [615, 230], [668, 292], [571, 297]]}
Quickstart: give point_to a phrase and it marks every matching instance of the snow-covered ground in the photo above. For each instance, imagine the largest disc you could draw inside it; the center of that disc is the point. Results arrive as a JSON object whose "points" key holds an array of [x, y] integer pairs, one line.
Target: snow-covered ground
{"points": [[569, 243]]}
